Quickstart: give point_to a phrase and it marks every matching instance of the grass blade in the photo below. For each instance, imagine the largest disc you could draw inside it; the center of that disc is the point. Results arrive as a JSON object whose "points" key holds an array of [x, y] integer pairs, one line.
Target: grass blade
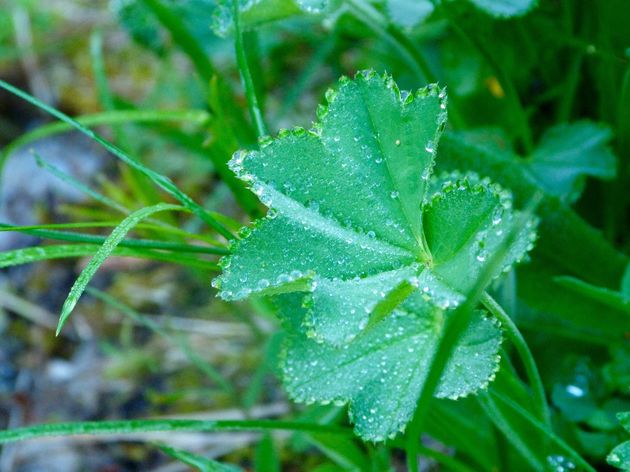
{"points": [[133, 243], [517, 340], [112, 224], [266, 458], [65, 251], [201, 364], [165, 425], [160, 180], [510, 433], [77, 184], [543, 429], [201, 463], [104, 252], [104, 118]]}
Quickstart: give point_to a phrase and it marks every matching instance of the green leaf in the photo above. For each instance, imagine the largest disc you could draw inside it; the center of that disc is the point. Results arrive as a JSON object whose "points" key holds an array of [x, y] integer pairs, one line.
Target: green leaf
{"points": [[144, 426], [255, 13], [505, 8], [355, 251], [117, 235], [558, 309], [266, 459], [381, 372], [203, 464], [603, 295], [356, 222], [567, 153], [63, 251], [620, 456], [408, 13]]}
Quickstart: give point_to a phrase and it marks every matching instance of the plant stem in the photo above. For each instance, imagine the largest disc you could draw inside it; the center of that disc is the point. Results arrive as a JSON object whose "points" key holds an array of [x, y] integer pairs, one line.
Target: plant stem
{"points": [[246, 76], [516, 338]]}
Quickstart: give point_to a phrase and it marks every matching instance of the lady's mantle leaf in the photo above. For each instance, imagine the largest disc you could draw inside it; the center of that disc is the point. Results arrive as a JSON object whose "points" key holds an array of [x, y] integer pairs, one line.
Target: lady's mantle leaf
{"points": [[346, 198], [353, 213], [382, 371], [355, 226]]}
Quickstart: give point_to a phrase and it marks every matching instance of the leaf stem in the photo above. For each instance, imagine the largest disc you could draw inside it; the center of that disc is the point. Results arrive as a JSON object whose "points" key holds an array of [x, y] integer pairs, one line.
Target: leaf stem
{"points": [[374, 20], [516, 338], [246, 76]]}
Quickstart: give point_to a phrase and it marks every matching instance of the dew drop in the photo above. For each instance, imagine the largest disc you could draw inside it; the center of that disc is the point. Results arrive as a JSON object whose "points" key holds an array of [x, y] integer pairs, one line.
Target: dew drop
{"points": [[575, 391]]}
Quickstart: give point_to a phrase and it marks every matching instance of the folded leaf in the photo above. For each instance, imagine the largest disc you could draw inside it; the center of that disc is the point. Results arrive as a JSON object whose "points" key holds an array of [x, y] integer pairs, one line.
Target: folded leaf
{"points": [[464, 223]]}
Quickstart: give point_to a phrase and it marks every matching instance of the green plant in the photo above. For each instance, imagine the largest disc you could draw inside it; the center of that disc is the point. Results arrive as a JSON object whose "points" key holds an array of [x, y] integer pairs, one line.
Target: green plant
{"points": [[379, 268], [386, 255]]}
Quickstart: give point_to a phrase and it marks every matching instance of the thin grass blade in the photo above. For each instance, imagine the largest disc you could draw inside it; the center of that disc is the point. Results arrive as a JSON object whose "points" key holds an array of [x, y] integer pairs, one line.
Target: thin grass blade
{"points": [[166, 425], [65, 251], [160, 180], [104, 252]]}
